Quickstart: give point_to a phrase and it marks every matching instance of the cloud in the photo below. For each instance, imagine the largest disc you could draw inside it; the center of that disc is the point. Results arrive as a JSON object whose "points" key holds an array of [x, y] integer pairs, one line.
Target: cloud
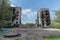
{"points": [[12, 5], [29, 16], [25, 11]]}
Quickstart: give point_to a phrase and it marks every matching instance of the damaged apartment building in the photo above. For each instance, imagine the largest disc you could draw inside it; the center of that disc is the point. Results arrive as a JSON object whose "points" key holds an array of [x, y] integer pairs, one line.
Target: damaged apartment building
{"points": [[16, 16]]}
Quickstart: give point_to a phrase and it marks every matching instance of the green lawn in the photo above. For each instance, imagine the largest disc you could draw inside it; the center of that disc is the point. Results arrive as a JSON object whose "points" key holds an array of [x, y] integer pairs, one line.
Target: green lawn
{"points": [[51, 37]]}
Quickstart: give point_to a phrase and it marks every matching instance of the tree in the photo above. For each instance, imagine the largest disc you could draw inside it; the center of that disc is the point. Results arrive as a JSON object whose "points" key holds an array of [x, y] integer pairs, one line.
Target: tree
{"points": [[30, 25], [56, 22], [57, 18], [5, 12]]}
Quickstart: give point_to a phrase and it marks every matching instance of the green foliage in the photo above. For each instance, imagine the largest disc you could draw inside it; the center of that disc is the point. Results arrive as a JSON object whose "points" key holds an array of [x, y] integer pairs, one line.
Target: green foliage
{"points": [[57, 13], [5, 12], [30, 25], [51, 37], [17, 39], [8, 24], [56, 22]]}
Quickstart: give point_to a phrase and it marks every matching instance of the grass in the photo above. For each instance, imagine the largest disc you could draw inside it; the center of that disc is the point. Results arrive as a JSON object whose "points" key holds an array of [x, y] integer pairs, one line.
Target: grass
{"points": [[51, 37]]}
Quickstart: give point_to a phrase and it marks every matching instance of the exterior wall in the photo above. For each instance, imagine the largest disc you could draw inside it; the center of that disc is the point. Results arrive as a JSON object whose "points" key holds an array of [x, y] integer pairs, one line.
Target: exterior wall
{"points": [[17, 13], [40, 20]]}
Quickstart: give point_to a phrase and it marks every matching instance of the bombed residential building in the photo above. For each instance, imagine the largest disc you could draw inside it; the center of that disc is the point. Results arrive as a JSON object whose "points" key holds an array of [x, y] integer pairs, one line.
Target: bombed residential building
{"points": [[44, 17], [16, 16]]}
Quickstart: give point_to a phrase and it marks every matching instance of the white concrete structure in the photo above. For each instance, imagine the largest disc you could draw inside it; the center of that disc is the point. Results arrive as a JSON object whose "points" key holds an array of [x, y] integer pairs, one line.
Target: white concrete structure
{"points": [[38, 20]]}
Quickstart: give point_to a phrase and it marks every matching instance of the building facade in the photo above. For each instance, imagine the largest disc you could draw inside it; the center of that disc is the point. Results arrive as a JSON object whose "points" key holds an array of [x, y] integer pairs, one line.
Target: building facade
{"points": [[16, 16], [44, 17], [38, 23]]}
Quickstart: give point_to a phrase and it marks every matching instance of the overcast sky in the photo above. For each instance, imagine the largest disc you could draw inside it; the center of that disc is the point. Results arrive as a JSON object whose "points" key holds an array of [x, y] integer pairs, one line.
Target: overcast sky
{"points": [[30, 7]]}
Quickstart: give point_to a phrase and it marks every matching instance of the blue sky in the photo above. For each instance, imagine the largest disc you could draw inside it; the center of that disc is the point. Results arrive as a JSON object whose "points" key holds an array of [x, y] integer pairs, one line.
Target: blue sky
{"points": [[30, 7]]}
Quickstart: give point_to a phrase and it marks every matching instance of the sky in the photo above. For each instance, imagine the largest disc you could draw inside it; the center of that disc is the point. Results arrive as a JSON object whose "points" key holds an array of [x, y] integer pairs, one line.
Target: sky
{"points": [[30, 8]]}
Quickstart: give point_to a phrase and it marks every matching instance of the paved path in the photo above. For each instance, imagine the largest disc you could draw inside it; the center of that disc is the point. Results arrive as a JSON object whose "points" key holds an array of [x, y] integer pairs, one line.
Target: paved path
{"points": [[34, 33], [28, 34]]}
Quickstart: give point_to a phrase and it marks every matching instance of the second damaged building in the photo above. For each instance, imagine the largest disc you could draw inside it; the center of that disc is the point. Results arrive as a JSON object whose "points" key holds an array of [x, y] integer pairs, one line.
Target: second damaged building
{"points": [[44, 17]]}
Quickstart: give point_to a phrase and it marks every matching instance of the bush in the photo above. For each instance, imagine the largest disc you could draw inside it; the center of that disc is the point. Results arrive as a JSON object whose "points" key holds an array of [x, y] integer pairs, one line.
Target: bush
{"points": [[8, 25]]}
